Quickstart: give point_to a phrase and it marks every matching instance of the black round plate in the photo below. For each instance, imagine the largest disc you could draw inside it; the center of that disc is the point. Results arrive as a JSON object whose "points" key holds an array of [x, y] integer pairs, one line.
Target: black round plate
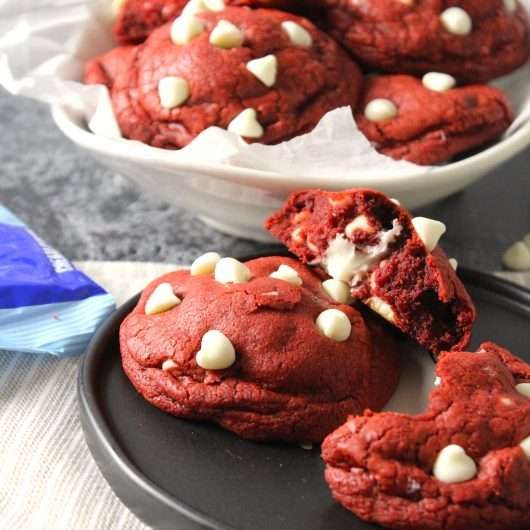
{"points": [[181, 474]]}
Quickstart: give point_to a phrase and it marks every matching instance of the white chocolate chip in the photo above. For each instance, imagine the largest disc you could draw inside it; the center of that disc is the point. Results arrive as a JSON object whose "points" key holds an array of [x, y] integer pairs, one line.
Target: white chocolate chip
{"points": [[205, 264], [194, 7], [438, 81], [214, 5], [359, 223], [185, 28], [297, 34], [380, 109], [334, 324], [437, 381], [287, 274], [265, 69], [229, 270], [217, 352], [510, 6], [337, 290], [525, 446], [162, 299], [517, 257], [226, 35], [453, 263], [524, 389], [246, 124], [381, 308], [173, 91], [429, 231], [297, 235], [396, 202], [117, 6], [456, 21], [168, 365], [453, 465]]}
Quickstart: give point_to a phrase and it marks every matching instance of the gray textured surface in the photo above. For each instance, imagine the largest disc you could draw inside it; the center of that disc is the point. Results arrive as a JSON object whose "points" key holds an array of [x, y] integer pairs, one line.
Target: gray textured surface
{"points": [[88, 213]]}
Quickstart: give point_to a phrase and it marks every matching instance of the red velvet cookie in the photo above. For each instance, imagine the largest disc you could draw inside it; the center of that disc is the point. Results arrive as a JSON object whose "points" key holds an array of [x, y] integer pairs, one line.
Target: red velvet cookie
{"points": [[269, 358], [136, 19], [390, 261], [462, 465], [427, 121], [474, 40], [263, 74]]}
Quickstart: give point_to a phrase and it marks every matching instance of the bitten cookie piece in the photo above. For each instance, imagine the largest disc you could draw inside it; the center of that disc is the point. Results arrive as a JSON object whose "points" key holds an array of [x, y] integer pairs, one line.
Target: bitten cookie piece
{"points": [[136, 19], [259, 348], [428, 121], [475, 40], [464, 464], [390, 261], [263, 74]]}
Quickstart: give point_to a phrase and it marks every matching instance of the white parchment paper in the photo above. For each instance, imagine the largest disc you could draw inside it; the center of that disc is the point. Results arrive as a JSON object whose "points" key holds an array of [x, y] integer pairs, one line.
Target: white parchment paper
{"points": [[44, 45]]}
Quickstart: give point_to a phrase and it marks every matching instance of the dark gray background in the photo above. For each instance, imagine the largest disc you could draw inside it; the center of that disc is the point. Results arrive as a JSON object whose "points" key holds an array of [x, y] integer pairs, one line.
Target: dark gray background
{"points": [[89, 213]]}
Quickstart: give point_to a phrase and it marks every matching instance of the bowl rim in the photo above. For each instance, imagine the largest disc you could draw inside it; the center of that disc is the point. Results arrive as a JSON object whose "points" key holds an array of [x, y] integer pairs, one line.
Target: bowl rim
{"points": [[120, 149]]}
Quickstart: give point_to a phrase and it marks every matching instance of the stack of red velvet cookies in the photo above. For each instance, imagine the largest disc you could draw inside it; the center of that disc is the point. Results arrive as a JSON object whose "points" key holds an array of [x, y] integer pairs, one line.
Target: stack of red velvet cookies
{"points": [[270, 75], [300, 348]]}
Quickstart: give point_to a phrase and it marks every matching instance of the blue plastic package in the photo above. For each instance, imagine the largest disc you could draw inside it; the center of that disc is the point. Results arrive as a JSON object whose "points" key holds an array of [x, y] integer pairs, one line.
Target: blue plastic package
{"points": [[46, 305]]}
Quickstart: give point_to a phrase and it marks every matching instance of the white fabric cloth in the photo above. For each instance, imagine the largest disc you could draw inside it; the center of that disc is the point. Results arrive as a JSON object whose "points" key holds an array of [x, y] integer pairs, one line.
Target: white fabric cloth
{"points": [[48, 479]]}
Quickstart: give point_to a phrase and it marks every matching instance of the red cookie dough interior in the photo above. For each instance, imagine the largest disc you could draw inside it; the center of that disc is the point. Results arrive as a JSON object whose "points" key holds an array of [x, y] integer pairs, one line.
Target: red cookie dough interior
{"points": [[361, 237], [432, 127], [380, 466], [289, 382]]}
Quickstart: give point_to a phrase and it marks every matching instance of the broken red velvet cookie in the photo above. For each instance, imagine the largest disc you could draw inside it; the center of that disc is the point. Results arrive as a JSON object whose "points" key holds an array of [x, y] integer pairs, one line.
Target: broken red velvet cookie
{"points": [[389, 261], [135, 19], [428, 121], [259, 348], [475, 40], [464, 464], [263, 74]]}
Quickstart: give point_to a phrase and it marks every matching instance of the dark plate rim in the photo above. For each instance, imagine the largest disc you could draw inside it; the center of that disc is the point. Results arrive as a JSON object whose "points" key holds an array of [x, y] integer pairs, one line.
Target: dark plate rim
{"points": [[93, 418]]}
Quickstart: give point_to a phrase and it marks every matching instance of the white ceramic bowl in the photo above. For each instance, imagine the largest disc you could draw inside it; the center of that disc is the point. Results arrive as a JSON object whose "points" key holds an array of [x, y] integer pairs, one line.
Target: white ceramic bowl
{"points": [[237, 200]]}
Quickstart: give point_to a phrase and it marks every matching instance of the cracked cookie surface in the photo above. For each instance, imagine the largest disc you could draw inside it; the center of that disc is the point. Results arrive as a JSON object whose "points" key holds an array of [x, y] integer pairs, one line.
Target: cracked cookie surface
{"points": [[288, 382], [219, 86], [380, 466], [431, 127]]}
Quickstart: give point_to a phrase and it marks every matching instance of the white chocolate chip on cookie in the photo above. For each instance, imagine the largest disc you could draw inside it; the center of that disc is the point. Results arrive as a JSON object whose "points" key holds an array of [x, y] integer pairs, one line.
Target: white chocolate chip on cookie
{"points": [[429, 231], [456, 21], [265, 69], [453, 263], [168, 365], [438, 81], [297, 34], [217, 352], [287, 274], [453, 465], [246, 124], [381, 307], [523, 388], [525, 446], [230, 270], [226, 35], [162, 299], [359, 223], [334, 324], [380, 109], [185, 28], [337, 290], [173, 91], [205, 264]]}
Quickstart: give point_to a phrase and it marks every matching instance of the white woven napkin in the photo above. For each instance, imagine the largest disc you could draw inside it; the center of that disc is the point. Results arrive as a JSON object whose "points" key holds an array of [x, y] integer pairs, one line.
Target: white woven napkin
{"points": [[48, 479]]}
